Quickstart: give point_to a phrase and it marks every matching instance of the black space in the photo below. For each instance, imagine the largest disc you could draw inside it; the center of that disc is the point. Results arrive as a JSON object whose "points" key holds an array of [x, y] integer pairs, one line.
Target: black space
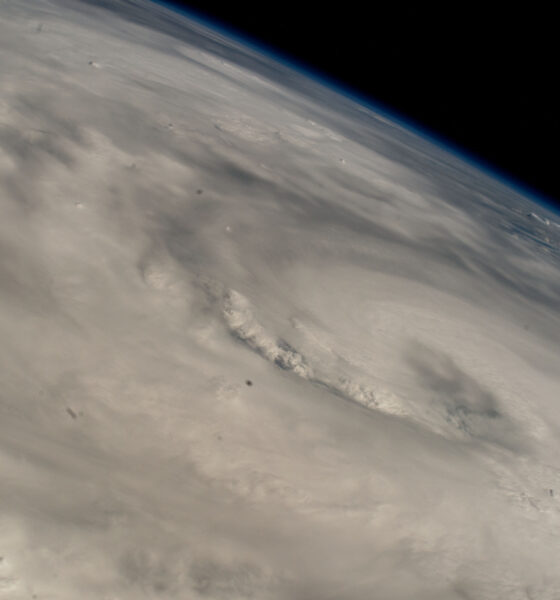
{"points": [[483, 79]]}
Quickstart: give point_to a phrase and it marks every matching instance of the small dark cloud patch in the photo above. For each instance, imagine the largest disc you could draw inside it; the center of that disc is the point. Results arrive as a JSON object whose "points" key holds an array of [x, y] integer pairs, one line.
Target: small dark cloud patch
{"points": [[156, 574], [33, 148], [215, 580]]}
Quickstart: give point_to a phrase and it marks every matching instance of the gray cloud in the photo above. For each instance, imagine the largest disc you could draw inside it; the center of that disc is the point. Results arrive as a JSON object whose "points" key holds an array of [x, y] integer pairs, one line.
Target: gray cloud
{"points": [[395, 310], [466, 404]]}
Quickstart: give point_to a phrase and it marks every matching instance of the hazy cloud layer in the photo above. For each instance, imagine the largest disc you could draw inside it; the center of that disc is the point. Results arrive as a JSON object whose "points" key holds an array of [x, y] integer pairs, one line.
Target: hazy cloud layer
{"points": [[181, 216]]}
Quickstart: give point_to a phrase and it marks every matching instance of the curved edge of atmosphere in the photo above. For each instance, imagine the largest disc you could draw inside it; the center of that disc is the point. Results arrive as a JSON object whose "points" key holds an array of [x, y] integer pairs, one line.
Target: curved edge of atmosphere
{"points": [[367, 102]]}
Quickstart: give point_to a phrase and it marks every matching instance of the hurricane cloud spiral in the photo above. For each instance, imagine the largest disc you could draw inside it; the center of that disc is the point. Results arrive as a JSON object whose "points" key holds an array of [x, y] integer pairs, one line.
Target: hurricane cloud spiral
{"points": [[258, 341]]}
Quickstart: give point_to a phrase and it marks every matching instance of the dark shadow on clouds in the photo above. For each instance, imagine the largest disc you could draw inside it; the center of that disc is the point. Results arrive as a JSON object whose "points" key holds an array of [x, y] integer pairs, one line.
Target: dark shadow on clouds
{"points": [[465, 403]]}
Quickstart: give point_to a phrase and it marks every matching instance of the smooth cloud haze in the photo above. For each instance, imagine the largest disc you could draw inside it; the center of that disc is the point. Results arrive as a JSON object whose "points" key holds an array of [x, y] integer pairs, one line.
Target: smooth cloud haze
{"points": [[180, 215]]}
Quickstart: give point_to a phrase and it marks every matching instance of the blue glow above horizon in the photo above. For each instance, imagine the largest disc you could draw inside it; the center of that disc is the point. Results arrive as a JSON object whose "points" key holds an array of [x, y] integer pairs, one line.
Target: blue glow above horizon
{"points": [[368, 102]]}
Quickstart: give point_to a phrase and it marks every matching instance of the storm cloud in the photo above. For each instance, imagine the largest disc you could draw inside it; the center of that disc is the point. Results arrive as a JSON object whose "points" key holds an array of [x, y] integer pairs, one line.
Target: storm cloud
{"points": [[180, 216]]}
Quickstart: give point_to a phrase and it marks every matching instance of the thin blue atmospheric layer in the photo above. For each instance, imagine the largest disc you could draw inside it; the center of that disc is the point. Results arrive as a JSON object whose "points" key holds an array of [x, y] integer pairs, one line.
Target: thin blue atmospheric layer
{"points": [[367, 102]]}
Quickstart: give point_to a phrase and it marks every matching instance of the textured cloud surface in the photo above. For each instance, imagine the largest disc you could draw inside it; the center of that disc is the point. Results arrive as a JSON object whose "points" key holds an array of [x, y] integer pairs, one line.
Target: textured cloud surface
{"points": [[258, 341]]}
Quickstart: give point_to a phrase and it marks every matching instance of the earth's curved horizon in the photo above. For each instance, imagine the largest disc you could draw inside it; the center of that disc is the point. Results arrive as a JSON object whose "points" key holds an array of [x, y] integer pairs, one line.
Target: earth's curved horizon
{"points": [[259, 340]]}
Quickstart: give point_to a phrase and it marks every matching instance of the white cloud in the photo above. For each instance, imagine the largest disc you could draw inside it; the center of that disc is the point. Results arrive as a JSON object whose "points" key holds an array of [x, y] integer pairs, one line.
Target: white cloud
{"points": [[175, 224]]}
